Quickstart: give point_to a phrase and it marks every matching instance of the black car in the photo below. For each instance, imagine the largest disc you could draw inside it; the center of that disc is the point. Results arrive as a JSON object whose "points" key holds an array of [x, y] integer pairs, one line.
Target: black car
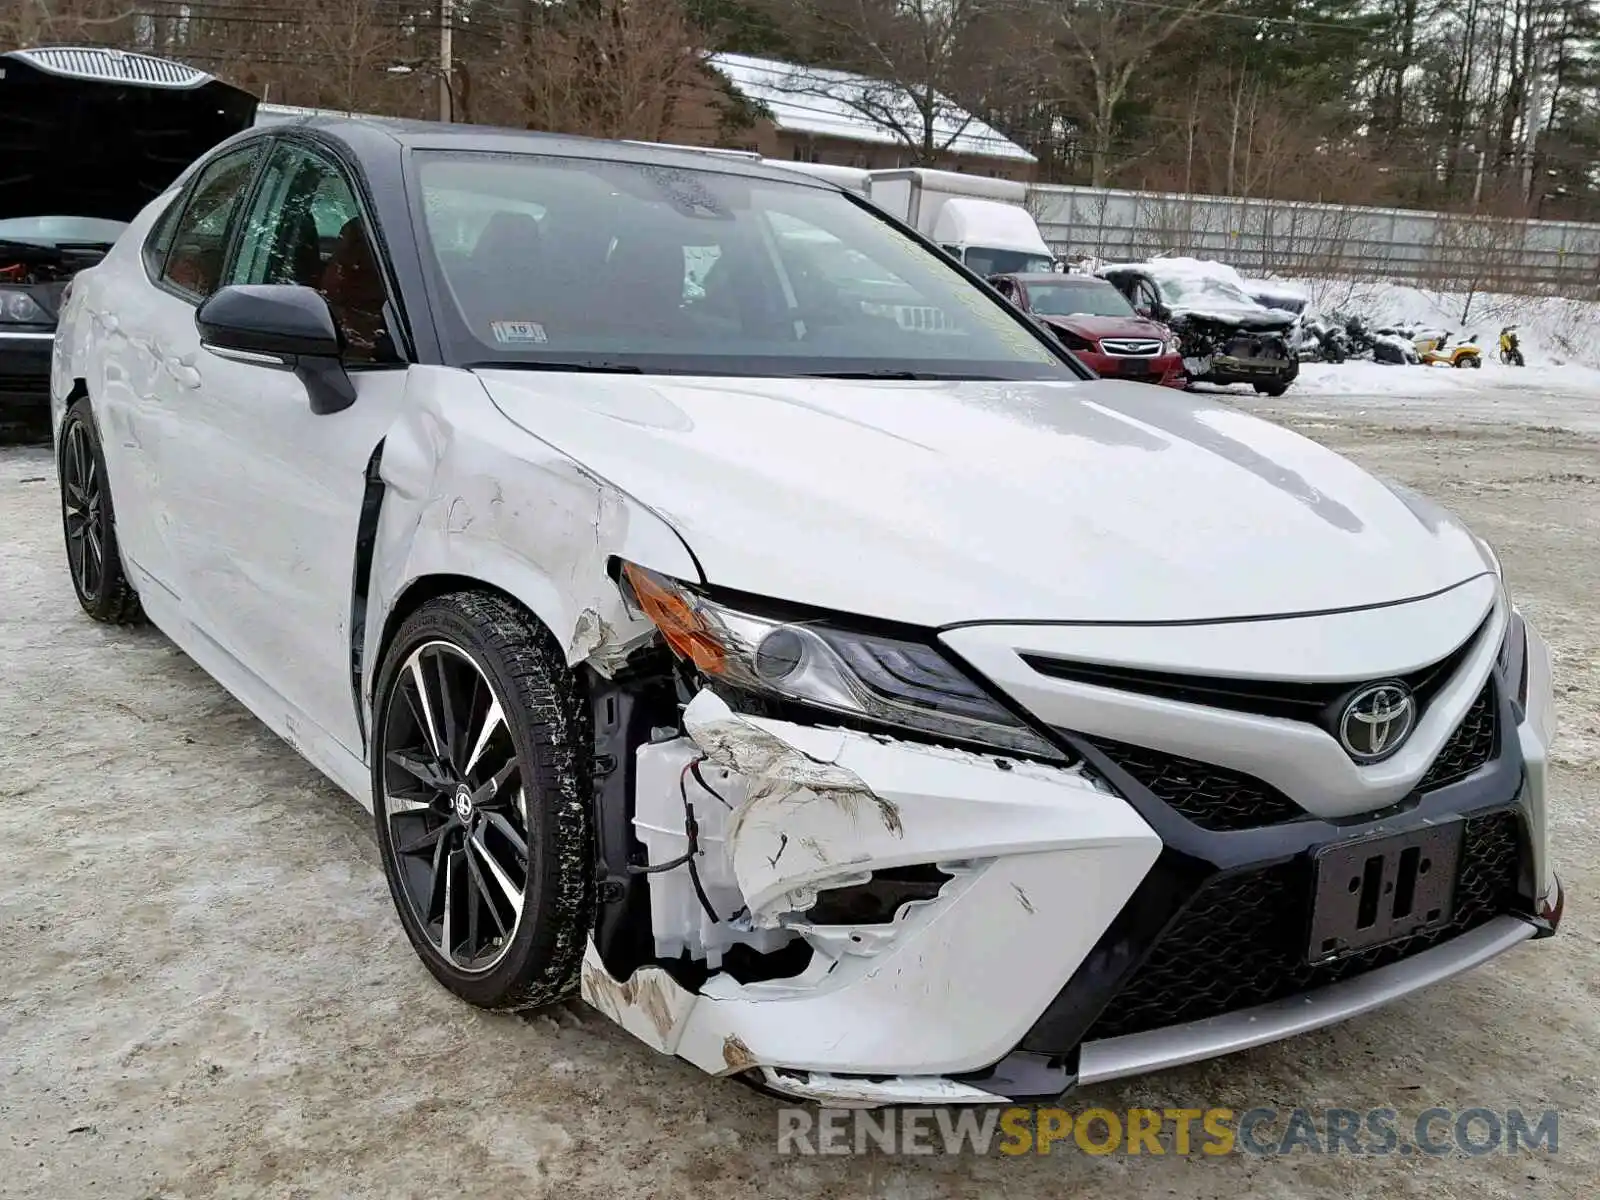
{"points": [[88, 137], [1225, 336]]}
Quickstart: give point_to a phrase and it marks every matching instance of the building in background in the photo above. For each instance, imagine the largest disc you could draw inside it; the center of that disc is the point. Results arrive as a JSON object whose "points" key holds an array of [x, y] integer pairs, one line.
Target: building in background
{"points": [[807, 114]]}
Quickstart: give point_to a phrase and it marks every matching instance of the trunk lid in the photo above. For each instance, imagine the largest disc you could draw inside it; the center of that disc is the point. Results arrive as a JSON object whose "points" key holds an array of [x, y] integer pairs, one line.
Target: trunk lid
{"points": [[89, 132]]}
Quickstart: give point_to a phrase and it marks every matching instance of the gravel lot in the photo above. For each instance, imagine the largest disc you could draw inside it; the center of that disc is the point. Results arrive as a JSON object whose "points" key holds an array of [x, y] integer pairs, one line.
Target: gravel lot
{"points": [[206, 992]]}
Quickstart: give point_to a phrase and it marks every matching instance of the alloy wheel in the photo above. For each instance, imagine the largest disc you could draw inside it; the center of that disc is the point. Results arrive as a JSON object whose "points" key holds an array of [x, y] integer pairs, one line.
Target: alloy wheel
{"points": [[81, 497], [456, 806]]}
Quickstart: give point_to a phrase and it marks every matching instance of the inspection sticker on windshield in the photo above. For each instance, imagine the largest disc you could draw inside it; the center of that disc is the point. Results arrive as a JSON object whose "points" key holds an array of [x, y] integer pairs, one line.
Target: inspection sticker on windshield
{"points": [[518, 333]]}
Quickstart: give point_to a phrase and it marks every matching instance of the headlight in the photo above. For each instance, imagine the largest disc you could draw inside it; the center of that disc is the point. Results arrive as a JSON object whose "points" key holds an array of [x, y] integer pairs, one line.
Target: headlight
{"points": [[1071, 340], [881, 679], [19, 307]]}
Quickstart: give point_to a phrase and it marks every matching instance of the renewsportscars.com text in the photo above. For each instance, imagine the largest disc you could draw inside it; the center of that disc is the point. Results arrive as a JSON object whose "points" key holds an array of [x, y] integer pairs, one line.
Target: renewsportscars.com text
{"points": [[1378, 1132]]}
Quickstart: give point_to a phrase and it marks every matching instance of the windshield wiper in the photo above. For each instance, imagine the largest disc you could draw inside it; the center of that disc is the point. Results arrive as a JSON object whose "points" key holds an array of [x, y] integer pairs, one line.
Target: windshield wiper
{"points": [[891, 374], [597, 366]]}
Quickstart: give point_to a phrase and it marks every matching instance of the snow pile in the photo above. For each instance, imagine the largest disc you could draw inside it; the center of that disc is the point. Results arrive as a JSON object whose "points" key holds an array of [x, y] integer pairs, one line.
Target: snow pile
{"points": [[1277, 293]]}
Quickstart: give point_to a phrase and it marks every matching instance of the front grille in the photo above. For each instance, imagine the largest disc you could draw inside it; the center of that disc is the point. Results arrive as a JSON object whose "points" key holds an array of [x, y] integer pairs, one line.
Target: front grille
{"points": [[1291, 700], [1241, 941], [1131, 347], [113, 66], [1472, 745], [1213, 798]]}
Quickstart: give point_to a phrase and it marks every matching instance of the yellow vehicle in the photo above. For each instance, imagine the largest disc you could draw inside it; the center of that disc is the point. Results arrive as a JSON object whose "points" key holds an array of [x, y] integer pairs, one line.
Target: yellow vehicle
{"points": [[1437, 352], [1510, 347]]}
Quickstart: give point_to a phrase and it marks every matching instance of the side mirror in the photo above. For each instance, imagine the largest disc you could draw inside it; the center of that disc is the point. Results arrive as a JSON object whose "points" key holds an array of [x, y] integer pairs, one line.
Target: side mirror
{"points": [[284, 327]]}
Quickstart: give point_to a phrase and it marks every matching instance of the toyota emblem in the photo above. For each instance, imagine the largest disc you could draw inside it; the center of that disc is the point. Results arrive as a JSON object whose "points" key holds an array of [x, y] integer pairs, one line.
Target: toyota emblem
{"points": [[1377, 721]]}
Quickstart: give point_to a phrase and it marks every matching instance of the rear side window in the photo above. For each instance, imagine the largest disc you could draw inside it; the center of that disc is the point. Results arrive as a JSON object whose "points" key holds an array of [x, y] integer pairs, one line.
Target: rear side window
{"points": [[159, 240], [200, 238]]}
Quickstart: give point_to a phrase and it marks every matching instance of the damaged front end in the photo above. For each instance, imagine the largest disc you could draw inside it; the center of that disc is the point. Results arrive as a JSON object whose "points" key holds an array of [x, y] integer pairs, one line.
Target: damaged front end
{"points": [[1227, 351], [832, 862]]}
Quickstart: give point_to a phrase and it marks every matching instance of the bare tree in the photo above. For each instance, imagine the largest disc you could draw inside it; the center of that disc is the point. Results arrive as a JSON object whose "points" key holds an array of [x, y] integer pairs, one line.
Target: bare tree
{"points": [[606, 68], [1095, 49]]}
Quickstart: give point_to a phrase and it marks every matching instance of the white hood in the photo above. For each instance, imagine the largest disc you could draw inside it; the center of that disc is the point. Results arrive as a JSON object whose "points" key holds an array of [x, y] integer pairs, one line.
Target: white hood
{"points": [[941, 502]]}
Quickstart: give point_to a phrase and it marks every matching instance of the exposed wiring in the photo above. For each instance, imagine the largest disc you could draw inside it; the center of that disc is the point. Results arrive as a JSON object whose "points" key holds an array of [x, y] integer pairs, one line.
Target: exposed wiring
{"points": [[691, 828], [694, 769]]}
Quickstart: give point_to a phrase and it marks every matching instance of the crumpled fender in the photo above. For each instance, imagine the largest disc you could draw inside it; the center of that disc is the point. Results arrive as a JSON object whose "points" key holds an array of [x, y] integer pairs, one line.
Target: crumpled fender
{"points": [[467, 492]]}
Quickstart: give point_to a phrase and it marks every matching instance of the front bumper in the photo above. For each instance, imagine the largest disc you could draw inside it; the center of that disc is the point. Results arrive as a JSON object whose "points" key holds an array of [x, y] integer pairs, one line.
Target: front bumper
{"points": [[1063, 947], [24, 376], [1224, 369], [1165, 370]]}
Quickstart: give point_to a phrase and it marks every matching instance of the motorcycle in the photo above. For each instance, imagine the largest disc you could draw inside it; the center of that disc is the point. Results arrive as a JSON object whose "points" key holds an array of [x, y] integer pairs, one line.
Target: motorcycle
{"points": [[1322, 340], [1383, 345], [1510, 348]]}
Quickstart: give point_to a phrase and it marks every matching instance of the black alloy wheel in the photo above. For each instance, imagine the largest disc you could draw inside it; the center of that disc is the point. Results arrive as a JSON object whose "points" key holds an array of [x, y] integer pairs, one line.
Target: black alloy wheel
{"points": [[480, 800], [89, 523], [456, 807]]}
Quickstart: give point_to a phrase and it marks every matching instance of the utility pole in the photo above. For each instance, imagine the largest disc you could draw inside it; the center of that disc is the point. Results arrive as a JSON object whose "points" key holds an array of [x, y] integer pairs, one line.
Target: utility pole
{"points": [[446, 23]]}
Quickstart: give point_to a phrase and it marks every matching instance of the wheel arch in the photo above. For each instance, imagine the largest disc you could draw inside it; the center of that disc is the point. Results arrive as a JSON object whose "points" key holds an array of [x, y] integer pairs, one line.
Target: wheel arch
{"points": [[58, 410], [457, 497]]}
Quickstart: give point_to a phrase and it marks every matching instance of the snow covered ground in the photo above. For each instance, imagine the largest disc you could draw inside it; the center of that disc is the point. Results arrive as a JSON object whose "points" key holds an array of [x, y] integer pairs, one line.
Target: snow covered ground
{"points": [[1541, 397]]}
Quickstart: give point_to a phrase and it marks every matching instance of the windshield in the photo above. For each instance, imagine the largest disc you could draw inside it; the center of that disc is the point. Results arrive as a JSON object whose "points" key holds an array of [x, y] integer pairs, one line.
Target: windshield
{"points": [[987, 261], [50, 230], [1190, 290], [1087, 298], [578, 263]]}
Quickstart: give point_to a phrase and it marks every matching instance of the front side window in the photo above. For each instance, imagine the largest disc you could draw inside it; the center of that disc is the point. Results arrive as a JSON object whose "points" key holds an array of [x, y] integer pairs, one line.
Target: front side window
{"points": [[305, 227], [200, 238], [159, 239], [588, 263]]}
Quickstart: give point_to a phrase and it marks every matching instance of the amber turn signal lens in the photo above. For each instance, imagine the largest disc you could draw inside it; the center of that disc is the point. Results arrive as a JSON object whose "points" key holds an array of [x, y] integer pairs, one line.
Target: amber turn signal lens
{"points": [[686, 632]]}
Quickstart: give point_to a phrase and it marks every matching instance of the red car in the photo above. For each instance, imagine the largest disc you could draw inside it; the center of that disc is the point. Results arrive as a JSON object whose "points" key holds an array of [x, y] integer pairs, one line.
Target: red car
{"points": [[1099, 326]]}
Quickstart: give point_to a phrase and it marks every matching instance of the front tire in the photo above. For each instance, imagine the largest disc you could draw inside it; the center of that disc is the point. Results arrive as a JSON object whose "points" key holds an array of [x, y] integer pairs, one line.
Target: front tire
{"points": [[480, 793], [89, 523], [1272, 389]]}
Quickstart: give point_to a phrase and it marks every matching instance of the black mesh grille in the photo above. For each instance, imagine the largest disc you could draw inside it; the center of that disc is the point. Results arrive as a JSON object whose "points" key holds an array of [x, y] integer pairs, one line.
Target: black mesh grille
{"points": [[1241, 942], [1470, 747], [1212, 797]]}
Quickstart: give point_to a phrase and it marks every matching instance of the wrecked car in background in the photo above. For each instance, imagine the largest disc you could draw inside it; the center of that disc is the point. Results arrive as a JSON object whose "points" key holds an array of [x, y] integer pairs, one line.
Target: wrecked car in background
{"points": [[875, 714], [1225, 336], [88, 137]]}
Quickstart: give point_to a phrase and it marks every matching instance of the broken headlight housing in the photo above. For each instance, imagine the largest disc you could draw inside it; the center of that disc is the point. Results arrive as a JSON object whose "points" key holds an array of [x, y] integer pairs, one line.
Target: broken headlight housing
{"points": [[869, 677]]}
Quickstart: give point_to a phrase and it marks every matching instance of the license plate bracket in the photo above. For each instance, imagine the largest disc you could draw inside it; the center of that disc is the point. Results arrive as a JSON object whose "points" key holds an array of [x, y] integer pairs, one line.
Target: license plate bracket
{"points": [[1382, 888]]}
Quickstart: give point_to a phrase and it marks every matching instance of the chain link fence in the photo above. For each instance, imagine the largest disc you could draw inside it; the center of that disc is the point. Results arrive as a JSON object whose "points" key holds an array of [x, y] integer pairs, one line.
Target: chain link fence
{"points": [[1447, 251]]}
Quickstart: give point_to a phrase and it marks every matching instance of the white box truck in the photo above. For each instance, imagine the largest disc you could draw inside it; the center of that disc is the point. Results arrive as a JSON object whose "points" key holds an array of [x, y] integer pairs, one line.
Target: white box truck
{"points": [[980, 221]]}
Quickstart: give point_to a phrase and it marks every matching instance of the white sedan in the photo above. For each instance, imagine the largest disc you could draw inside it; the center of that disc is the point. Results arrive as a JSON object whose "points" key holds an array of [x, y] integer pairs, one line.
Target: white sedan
{"points": [[877, 712]]}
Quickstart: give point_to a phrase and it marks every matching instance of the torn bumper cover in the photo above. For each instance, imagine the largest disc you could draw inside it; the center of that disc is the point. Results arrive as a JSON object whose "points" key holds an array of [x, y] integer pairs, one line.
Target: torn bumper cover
{"points": [[973, 928], [888, 1010]]}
